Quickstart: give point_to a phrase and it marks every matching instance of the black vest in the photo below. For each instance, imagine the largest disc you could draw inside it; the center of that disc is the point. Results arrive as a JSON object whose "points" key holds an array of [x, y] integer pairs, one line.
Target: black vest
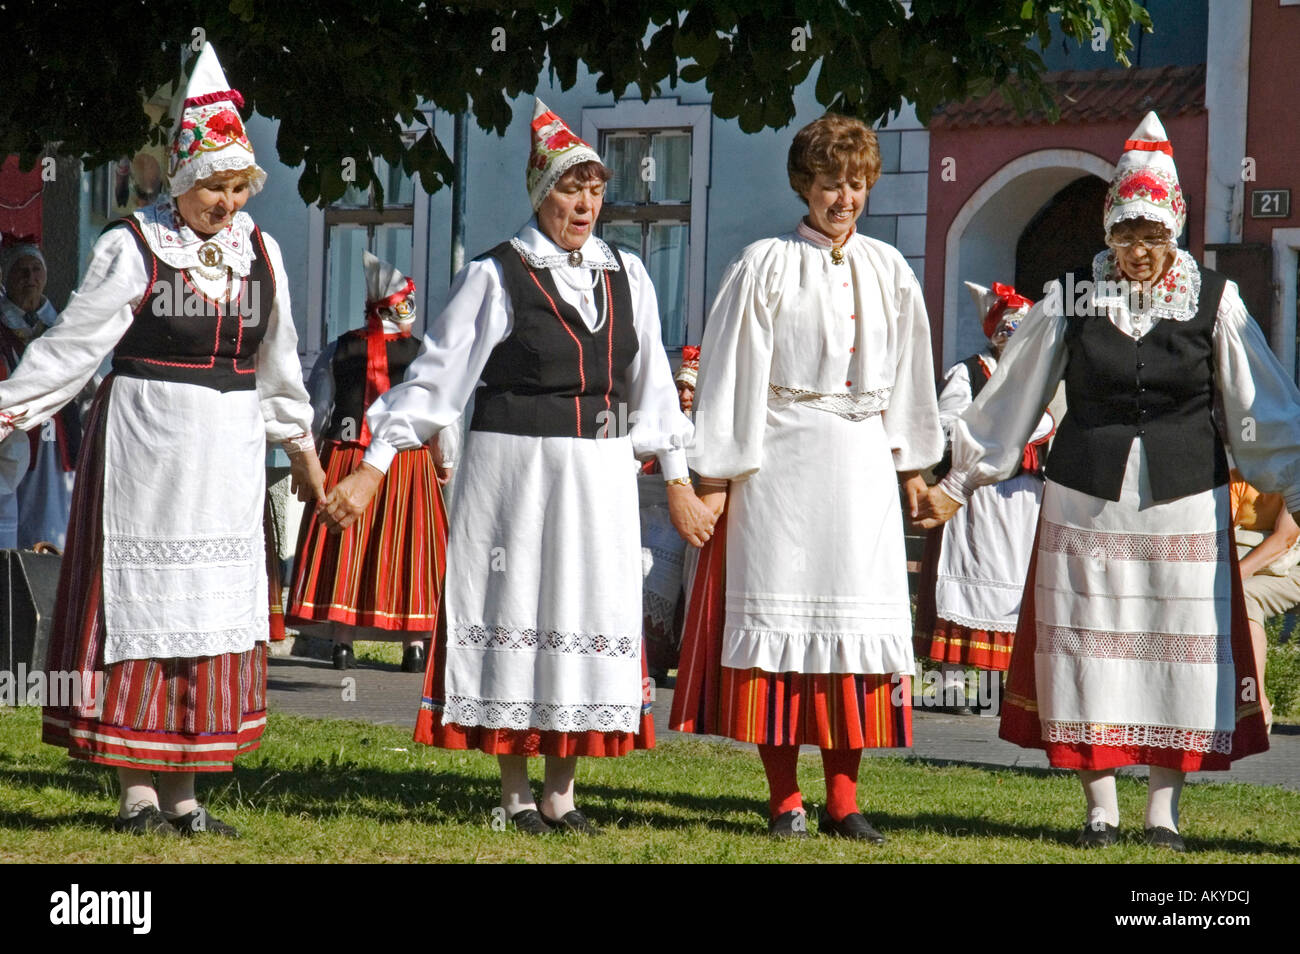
{"points": [[181, 335], [552, 376], [349, 370], [1160, 388]]}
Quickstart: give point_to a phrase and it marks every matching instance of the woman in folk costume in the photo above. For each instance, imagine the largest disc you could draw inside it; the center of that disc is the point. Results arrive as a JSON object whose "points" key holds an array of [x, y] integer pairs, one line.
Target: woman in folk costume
{"points": [[974, 567], [816, 397], [164, 581], [1133, 645], [541, 653], [385, 571], [45, 493], [664, 554]]}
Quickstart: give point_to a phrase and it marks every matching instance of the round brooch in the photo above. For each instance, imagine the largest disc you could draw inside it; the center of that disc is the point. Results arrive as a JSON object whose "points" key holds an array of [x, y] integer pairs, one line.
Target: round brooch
{"points": [[575, 258]]}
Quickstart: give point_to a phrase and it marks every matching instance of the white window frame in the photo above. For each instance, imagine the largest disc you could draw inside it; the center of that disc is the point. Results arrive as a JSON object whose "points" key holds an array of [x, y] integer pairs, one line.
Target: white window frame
{"points": [[311, 344], [1286, 262], [663, 114]]}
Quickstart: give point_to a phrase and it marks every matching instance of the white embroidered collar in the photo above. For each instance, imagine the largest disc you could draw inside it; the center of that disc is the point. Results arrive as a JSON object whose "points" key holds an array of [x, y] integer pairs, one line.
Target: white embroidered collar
{"points": [[178, 245], [1176, 296], [540, 252], [811, 235]]}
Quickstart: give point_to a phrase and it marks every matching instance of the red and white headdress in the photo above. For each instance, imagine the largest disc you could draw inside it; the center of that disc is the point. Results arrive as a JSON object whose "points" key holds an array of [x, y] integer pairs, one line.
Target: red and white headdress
{"points": [[387, 294], [997, 304], [1145, 185], [209, 135], [690, 368], [555, 150]]}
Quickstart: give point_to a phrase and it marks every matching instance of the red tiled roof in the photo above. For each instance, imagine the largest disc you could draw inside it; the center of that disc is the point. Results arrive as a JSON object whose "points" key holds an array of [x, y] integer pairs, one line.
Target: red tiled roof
{"points": [[1091, 96]]}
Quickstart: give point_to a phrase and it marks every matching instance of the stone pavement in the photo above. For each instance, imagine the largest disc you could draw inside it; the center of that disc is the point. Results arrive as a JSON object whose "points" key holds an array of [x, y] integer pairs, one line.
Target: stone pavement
{"points": [[383, 695]]}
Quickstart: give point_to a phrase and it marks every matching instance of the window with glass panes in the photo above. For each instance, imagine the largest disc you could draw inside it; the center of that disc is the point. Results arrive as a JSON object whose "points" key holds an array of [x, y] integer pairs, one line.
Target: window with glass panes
{"points": [[648, 211], [354, 223]]}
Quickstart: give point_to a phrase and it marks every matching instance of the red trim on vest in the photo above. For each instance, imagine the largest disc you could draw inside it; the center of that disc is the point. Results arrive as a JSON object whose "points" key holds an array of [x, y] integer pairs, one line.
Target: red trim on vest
{"points": [[582, 371], [609, 357], [153, 261]]}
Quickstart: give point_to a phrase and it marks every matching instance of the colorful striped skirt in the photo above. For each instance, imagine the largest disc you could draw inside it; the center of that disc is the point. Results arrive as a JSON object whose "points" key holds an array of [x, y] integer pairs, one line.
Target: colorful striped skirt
{"points": [[431, 730], [166, 715], [386, 570], [944, 640], [828, 710]]}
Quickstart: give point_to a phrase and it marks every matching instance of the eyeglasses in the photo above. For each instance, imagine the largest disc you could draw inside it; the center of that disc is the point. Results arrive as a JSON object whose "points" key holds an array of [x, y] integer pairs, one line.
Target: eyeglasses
{"points": [[1147, 245]]}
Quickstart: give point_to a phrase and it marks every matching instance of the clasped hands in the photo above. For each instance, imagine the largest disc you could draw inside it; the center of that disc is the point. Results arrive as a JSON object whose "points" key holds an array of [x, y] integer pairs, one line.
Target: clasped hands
{"points": [[928, 507]]}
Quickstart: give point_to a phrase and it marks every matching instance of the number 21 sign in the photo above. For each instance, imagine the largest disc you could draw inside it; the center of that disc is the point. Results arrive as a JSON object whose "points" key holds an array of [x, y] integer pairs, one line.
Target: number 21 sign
{"points": [[1270, 203]]}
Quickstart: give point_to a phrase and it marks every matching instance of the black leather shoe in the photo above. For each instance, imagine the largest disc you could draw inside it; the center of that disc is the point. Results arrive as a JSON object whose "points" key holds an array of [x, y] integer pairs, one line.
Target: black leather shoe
{"points": [[530, 822], [574, 821], [850, 826], [199, 822], [147, 821], [1162, 837], [343, 656], [1098, 835], [413, 659], [792, 824]]}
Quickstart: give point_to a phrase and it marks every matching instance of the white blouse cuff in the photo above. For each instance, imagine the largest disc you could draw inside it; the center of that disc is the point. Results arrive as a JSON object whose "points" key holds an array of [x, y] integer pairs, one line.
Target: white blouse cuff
{"points": [[673, 464], [957, 486], [379, 455]]}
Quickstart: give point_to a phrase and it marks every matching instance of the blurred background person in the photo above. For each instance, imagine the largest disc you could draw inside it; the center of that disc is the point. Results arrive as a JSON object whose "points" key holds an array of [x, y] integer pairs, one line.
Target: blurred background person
{"points": [[975, 565]]}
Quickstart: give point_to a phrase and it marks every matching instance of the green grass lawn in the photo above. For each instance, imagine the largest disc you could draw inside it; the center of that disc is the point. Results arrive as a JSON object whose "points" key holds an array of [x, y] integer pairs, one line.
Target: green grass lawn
{"points": [[327, 791]]}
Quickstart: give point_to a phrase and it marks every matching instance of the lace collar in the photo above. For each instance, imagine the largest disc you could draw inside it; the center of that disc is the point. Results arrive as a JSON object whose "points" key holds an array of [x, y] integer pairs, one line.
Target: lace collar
{"points": [[1176, 296], [540, 252], [178, 245]]}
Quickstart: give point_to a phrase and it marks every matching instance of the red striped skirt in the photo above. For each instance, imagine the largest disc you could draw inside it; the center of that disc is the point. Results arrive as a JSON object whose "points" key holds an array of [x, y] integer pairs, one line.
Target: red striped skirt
{"points": [[829, 710], [431, 730], [386, 570], [1021, 725], [166, 715]]}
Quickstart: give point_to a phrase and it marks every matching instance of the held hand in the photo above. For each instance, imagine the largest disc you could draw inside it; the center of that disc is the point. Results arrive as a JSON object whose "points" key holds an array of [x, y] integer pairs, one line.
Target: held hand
{"points": [[440, 470], [306, 478], [935, 509], [691, 518], [715, 500], [916, 490], [350, 497]]}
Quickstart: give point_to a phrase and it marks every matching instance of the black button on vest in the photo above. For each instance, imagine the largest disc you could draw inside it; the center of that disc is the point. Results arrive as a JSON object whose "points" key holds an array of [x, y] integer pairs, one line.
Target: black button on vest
{"points": [[1160, 388], [349, 369], [552, 376], [180, 335]]}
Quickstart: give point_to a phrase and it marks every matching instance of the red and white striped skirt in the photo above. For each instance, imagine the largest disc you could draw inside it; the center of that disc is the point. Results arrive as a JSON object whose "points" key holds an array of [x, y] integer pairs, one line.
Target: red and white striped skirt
{"points": [[164, 715], [386, 570], [945, 641], [828, 710]]}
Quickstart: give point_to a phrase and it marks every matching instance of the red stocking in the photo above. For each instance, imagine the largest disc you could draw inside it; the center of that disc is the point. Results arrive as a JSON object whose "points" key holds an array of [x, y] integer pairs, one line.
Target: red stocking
{"points": [[780, 763], [841, 766]]}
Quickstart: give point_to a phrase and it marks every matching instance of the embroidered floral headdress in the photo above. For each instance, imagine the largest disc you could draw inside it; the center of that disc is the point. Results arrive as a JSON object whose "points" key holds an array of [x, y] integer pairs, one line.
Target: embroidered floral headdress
{"points": [[555, 150], [1145, 185], [210, 136]]}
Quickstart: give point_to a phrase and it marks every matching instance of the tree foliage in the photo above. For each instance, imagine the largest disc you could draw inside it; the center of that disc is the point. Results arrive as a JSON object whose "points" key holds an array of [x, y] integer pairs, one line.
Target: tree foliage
{"points": [[343, 77]]}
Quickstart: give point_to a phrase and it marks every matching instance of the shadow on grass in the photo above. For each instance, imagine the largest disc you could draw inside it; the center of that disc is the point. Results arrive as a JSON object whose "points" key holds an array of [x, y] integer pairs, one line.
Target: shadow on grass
{"points": [[326, 789]]}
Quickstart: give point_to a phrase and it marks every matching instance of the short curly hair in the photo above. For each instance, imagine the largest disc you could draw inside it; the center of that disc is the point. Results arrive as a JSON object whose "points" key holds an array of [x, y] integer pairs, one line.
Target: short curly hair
{"points": [[833, 145]]}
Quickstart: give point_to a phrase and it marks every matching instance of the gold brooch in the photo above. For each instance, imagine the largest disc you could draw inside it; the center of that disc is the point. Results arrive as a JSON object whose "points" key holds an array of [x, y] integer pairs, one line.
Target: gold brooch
{"points": [[837, 255], [210, 254]]}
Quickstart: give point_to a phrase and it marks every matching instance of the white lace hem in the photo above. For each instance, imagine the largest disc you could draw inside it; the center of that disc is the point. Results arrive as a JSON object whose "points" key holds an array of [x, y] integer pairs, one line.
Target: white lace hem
{"points": [[852, 406], [185, 645], [1151, 736], [970, 622], [548, 717]]}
